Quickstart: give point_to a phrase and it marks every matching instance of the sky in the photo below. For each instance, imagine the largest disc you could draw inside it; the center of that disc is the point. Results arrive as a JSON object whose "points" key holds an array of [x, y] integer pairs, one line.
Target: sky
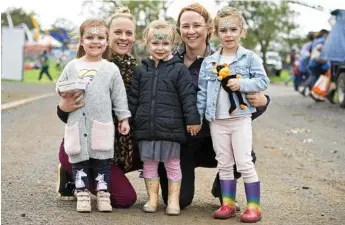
{"points": [[49, 10]]}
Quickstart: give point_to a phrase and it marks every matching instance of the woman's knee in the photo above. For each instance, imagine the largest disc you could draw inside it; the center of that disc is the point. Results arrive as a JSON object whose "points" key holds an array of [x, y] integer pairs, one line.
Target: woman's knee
{"points": [[186, 199], [126, 200], [187, 192], [63, 158], [253, 156], [122, 193]]}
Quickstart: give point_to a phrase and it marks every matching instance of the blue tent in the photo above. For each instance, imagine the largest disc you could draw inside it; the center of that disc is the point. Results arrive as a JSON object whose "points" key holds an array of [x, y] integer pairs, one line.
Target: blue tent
{"points": [[334, 48], [65, 35], [61, 36]]}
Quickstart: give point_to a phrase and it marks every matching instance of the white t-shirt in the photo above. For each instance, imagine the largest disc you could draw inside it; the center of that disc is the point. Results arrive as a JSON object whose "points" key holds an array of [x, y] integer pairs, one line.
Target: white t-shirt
{"points": [[223, 102]]}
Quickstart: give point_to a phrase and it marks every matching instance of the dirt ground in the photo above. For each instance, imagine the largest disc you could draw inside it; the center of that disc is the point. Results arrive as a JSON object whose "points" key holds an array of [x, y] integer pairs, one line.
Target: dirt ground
{"points": [[300, 147], [13, 91]]}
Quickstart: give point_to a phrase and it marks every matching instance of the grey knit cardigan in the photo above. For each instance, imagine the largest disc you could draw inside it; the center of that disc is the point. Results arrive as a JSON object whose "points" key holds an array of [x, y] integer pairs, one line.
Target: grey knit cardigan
{"points": [[89, 132]]}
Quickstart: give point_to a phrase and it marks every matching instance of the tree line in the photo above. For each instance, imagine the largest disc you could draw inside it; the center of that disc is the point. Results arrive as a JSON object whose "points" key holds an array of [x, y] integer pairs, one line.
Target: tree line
{"points": [[270, 23]]}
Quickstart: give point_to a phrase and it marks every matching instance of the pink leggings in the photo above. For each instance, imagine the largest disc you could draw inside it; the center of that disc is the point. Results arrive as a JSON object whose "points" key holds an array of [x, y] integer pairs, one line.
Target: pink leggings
{"points": [[172, 166], [122, 193]]}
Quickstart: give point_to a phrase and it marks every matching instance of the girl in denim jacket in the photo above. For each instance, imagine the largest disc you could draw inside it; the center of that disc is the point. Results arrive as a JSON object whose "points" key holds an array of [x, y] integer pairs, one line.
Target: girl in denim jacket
{"points": [[232, 133]]}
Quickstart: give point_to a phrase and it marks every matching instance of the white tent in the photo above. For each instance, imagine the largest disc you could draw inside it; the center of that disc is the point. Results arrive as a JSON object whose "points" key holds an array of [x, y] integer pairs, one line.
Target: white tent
{"points": [[49, 40]]}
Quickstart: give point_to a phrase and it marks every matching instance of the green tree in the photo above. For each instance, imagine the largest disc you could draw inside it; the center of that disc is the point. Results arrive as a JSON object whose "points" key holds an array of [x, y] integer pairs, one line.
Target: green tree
{"points": [[267, 21], [293, 41], [66, 24], [18, 16]]}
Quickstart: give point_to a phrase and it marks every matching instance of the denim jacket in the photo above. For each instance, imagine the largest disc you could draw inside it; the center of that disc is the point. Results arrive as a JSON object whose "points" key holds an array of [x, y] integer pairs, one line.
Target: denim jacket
{"points": [[253, 79]]}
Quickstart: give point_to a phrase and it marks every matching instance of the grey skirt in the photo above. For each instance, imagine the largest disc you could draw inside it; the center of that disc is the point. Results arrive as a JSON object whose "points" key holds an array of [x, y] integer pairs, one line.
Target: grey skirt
{"points": [[159, 150]]}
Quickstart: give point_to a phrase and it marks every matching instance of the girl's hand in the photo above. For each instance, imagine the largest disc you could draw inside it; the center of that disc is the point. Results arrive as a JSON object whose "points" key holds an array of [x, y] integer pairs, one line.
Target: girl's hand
{"points": [[234, 84], [71, 101], [256, 99], [193, 129], [124, 127]]}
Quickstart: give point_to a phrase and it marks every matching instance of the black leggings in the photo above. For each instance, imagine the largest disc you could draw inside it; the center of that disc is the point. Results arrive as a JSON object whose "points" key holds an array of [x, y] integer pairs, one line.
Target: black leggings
{"points": [[199, 154], [45, 69]]}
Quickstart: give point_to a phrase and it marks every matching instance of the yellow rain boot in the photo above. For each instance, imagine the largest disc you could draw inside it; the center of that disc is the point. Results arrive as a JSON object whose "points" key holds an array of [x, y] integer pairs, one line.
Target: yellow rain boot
{"points": [[173, 208], [152, 187]]}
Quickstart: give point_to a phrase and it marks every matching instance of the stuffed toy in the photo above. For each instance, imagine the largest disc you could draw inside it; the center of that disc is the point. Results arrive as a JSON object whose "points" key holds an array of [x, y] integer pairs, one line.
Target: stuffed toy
{"points": [[223, 72]]}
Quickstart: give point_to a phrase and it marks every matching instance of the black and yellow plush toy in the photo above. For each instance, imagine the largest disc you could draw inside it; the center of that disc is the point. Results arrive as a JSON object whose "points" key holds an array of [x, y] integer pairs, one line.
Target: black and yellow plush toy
{"points": [[223, 72]]}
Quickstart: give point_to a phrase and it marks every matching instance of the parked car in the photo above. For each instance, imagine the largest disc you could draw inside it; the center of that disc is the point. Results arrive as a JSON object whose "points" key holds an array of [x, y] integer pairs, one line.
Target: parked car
{"points": [[334, 51], [274, 63]]}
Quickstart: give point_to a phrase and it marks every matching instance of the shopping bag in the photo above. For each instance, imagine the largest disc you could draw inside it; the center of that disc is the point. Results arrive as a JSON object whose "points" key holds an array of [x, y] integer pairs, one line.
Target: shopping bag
{"points": [[321, 87]]}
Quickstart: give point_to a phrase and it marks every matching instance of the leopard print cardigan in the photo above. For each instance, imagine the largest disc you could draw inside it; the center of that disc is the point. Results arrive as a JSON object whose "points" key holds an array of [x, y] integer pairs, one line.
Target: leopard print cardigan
{"points": [[125, 148]]}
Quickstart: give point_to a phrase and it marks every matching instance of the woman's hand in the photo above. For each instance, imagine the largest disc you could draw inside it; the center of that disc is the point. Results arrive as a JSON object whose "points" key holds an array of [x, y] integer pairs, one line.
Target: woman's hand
{"points": [[256, 99], [71, 101], [124, 127], [234, 84], [193, 129]]}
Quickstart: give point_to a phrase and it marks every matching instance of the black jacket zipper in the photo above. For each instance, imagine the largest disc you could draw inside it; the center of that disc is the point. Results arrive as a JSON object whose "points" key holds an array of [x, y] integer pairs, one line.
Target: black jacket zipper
{"points": [[153, 104]]}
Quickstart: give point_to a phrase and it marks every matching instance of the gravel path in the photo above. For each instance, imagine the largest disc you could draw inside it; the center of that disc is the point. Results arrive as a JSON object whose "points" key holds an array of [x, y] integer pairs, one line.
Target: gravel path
{"points": [[300, 147], [14, 91]]}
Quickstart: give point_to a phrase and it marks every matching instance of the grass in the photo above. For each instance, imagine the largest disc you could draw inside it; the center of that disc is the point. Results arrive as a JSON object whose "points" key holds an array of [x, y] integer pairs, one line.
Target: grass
{"points": [[283, 75], [31, 76]]}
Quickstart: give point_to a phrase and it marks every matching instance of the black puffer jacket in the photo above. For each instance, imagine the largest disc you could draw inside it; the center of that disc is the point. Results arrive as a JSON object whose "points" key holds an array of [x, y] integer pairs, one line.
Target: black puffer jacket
{"points": [[162, 100]]}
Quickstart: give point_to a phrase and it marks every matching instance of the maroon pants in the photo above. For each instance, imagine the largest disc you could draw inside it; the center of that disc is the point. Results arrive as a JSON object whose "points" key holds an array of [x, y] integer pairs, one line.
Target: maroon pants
{"points": [[122, 193]]}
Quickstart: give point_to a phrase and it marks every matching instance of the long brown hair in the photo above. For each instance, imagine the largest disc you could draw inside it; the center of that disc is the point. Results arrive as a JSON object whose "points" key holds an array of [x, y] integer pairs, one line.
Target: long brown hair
{"points": [[92, 23]]}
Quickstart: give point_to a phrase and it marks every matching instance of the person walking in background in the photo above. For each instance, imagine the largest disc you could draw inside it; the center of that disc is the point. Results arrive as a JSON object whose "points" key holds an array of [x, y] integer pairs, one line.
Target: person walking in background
{"points": [[303, 71], [291, 62], [317, 65], [44, 59]]}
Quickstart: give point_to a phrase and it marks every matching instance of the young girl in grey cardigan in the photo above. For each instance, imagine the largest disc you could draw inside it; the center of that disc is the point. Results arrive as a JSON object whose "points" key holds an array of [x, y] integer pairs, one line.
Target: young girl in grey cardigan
{"points": [[89, 132]]}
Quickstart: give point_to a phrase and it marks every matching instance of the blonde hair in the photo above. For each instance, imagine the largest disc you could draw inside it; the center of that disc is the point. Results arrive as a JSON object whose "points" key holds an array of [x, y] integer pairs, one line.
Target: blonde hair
{"points": [[225, 12], [198, 8], [158, 24], [122, 12], [91, 23]]}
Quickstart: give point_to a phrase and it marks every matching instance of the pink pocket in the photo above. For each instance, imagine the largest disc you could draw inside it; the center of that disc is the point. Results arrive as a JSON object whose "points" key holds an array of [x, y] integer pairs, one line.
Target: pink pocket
{"points": [[72, 140], [102, 136]]}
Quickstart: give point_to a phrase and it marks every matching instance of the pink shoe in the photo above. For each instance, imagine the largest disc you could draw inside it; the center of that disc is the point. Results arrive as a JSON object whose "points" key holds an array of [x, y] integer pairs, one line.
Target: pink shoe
{"points": [[224, 212], [250, 216], [253, 213]]}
